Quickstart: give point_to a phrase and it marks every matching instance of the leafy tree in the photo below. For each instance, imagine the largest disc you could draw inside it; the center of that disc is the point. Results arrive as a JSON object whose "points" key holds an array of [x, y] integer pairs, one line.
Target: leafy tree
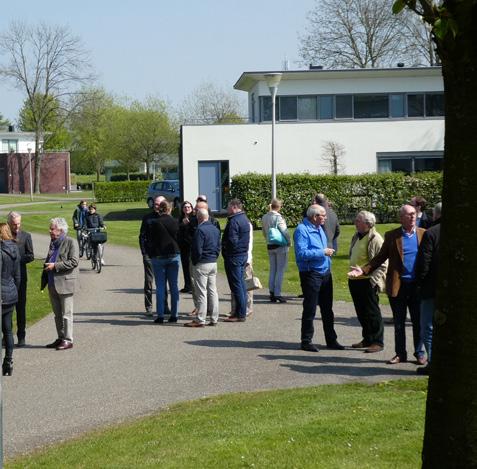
{"points": [[44, 62], [451, 417], [362, 34], [210, 104], [4, 123]]}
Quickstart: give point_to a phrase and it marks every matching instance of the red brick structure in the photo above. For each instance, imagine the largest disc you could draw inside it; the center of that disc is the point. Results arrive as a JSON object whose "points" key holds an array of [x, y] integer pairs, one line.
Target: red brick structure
{"points": [[15, 173]]}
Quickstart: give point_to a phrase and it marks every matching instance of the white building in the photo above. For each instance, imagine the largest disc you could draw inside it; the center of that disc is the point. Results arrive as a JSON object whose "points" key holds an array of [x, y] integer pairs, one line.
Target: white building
{"points": [[17, 142], [385, 120]]}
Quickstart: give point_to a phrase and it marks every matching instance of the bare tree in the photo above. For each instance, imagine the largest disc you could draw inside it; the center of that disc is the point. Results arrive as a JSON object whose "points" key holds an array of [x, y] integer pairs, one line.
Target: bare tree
{"points": [[332, 156], [49, 64], [210, 104], [360, 34]]}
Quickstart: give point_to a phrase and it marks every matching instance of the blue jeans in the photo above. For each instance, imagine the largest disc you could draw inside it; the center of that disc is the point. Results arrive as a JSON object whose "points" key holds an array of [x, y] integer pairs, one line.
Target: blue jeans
{"points": [[234, 269], [278, 258], [166, 269], [428, 307]]}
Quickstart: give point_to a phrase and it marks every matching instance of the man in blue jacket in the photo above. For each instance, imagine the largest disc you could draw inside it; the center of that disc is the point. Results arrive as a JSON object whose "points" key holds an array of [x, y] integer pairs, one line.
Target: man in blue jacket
{"points": [[235, 242], [313, 259]]}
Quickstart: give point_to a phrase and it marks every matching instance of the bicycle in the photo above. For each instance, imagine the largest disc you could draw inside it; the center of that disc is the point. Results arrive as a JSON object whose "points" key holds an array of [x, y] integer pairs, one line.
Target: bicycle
{"points": [[95, 237]]}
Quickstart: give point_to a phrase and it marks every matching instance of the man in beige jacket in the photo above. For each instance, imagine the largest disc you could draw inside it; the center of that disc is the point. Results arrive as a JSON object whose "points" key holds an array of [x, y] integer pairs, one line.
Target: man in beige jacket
{"points": [[364, 289]]}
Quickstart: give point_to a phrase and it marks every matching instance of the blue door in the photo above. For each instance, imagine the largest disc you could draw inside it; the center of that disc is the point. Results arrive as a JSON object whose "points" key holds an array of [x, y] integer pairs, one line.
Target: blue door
{"points": [[209, 183]]}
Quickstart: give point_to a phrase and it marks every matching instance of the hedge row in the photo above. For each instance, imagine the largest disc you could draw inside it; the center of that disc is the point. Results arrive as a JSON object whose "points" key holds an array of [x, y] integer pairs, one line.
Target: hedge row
{"points": [[124, 191], [132, 177], [381, 194]]}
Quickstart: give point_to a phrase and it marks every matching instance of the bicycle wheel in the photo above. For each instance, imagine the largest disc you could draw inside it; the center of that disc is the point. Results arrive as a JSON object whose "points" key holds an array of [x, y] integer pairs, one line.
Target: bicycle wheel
{"points": [[89, 249], [81, 245], [99, 258]]}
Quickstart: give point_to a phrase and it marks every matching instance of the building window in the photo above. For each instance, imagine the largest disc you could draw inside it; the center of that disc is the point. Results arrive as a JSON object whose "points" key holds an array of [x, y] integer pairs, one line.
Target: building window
{"points": [[266, 108], [434, 104], [415, 105], [371, 106], [288, 108], [307, 108], [9, 145], [409, 162], [326, 107], [344, 106], [396, 105]]}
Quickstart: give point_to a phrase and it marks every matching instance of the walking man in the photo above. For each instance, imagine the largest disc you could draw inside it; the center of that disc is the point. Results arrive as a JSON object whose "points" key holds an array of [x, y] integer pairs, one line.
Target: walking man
{"points": [[205, 250], [313, 258], [25, 247]]}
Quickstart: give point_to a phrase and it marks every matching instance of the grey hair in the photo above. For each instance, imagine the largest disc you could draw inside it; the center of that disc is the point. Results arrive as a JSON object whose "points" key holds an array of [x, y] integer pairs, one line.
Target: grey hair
{"points": [[315, 209], [13, 215], [402, 209], [202, 214], [60, 223], [367, 217], [437, 210]]}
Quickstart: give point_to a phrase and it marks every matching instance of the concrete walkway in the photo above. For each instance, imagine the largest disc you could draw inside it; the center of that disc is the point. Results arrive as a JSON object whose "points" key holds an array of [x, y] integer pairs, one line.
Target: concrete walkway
{"points": [[123, 365]]}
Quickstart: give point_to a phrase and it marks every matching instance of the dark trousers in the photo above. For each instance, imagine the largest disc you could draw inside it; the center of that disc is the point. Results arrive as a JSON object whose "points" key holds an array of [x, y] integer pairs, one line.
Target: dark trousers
{"points": [[21, 310], [7, 313], [366, 303], [234, 269], [185, 260], [317, 290], [148, 285], [407, 298]]}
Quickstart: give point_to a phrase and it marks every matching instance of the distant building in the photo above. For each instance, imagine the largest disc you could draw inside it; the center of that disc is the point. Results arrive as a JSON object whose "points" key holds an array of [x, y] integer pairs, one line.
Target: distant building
{"points": [[385, 120]]}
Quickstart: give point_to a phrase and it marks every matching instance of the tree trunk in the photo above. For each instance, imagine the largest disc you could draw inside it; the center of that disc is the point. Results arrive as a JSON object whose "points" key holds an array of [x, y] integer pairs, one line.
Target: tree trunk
{"points": [[450, 439], [37, 160]]}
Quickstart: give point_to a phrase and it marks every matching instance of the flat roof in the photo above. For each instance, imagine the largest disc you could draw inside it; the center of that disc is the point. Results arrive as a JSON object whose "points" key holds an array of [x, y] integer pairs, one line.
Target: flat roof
{"points": [[249, 79]]}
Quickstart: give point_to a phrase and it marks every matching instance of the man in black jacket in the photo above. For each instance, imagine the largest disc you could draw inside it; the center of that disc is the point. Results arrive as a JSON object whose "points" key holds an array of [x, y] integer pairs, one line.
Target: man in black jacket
{"points": [[25, 247], [427, 266]]}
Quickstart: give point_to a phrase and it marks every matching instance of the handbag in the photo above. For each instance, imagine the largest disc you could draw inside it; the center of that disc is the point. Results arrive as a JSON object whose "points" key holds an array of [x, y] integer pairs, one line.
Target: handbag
{"points": [[253, 282], [275, 236]]}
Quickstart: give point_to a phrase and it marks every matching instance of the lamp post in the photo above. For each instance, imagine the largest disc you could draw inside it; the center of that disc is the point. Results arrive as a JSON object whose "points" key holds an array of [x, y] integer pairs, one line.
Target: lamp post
{"points": [[273, 79], [29, 169]]}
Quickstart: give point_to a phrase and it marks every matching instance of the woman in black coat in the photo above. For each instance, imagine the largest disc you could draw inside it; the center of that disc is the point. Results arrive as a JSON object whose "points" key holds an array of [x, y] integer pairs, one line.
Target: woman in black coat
{"points": [[10, 279], [184, 241]]}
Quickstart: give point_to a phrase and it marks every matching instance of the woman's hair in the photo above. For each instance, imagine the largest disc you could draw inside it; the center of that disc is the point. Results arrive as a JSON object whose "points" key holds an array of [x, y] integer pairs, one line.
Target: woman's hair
{"points": [[165, 207], [5, 232], [183, 204], [60, 223], [92, 206], [276, 204]]}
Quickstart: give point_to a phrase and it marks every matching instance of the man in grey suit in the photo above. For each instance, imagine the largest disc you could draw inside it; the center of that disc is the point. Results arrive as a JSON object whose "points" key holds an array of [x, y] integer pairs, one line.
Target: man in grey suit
{"points": [[25, 246], [60, 274]]}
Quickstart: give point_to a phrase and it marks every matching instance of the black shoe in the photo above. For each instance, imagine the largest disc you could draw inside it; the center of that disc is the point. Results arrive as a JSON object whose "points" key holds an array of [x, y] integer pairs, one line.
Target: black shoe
{"points": [[54, 344], [273, 298], [301, 296], [159, 320], [186, 290], [423, 370], [21, 343], [335, 346], [7, 367], [309, 347], [172, 319], [280, 299]]}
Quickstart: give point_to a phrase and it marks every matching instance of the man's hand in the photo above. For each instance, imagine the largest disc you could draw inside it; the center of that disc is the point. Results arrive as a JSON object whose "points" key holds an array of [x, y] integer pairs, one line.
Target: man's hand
{"points": [[356, 271], [329, 252], [49, 266]]}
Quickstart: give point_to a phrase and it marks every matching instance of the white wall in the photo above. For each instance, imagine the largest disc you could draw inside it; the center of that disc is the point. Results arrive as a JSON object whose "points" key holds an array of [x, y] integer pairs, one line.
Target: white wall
{"points": [[247, 147]]}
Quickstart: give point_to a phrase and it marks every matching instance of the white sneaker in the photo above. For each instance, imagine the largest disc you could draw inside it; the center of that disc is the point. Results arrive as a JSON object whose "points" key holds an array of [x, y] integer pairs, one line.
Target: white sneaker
{"points": [[102, 262]]}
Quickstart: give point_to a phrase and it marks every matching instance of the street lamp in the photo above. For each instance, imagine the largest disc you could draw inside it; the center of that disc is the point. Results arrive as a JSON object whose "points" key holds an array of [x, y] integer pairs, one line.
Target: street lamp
{"points": [[29, 169], [273, 79]]}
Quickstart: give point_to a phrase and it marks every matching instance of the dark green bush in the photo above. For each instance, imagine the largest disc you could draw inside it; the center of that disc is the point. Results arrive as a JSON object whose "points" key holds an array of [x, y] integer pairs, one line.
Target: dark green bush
{"points": [[127, 191], [132, 177], [381, 194]]}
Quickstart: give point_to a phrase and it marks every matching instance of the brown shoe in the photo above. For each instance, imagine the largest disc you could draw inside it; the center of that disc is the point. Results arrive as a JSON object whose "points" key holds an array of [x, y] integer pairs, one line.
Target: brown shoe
{"points": [[194, 324], [396, 359], [64, 345], [234, 319], [359, 345], [421, 360], [54, 344], [373, 348]]}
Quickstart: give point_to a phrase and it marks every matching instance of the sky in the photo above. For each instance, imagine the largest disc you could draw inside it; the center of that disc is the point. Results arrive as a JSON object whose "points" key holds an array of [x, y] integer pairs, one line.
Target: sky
{"points": [[168, 48]]}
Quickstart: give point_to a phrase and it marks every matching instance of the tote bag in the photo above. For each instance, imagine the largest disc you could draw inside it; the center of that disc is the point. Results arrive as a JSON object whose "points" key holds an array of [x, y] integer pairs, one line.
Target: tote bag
{"points": [[275, 236]]}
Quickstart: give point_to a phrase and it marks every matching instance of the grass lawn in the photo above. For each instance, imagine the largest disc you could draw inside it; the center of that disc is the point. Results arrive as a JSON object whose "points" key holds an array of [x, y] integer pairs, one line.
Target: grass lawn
{"points": [[338, 426]]}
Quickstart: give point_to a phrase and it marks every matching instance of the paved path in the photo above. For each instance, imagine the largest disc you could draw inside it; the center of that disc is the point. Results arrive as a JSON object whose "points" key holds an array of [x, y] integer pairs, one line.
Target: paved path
{"points": [[124, 366]]}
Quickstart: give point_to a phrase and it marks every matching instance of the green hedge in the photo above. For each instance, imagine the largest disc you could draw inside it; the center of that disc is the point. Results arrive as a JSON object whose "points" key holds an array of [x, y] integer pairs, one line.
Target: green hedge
{"points": [[381, 194], [132, 177], [124, 191]]}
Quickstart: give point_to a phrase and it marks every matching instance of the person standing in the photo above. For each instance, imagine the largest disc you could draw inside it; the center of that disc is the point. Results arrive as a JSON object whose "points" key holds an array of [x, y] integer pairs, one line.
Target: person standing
{"points": [[95, 221], [60, 274], [427, 267], [277, 254], [235, 243], [79, 220], [10, 283], [420, 204], [400, 246], [146, 258], [25, 247], [185, 244], [332, 225], [364, 290], [313, 258], [164, 252], [205, 250]]}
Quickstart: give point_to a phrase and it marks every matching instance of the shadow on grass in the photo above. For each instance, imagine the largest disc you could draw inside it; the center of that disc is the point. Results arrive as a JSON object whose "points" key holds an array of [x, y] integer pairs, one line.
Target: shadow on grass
{"points": [[127, 214]]}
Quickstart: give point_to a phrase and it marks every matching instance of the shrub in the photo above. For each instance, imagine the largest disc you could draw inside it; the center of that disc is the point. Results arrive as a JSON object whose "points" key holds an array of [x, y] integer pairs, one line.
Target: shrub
{"points": [[132, 177], [381, 194], [127, 191]]}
